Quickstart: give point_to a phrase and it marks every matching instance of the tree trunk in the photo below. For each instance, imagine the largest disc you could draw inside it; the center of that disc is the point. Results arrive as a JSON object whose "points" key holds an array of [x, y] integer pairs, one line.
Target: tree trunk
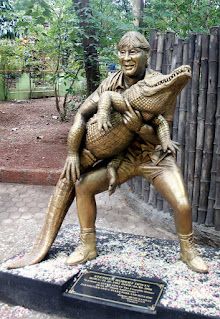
{"points": [[138, 9], [89, 43]]}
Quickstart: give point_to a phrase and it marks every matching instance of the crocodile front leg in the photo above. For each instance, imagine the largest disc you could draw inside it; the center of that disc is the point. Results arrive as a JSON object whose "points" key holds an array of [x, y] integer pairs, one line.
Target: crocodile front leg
{"points": [[163, 133]]}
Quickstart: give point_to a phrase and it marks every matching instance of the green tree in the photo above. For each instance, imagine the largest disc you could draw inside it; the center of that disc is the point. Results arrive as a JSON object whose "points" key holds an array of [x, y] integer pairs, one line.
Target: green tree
{"points": [[11, 62], [67, 35], [51, 43], [89, 43], [181, 16], [111, 19], [138, 11], [91, 27], [7, 20]]}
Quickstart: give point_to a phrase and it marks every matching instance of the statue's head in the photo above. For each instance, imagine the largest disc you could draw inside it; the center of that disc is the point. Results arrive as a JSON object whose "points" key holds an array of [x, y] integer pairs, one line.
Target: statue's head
{"points": [[133, 52]]}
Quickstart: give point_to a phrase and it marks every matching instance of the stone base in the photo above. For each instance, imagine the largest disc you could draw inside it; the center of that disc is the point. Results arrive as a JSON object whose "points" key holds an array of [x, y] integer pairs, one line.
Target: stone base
{"points": [[187, 295]]}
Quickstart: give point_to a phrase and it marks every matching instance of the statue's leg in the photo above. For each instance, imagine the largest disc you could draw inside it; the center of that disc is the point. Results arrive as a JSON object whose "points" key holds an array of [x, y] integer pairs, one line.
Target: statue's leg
{"points": [[58, 206], [169, 182], [91, 184]]}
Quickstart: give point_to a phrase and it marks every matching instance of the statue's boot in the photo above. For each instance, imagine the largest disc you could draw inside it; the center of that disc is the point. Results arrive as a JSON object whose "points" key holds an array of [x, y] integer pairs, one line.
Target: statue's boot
{"points": [[86, 249], [58, 206], [190, 255]]}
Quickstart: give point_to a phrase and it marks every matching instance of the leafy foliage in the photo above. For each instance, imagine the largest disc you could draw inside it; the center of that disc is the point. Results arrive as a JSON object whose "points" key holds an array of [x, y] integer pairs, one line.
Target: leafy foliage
{"points": [[181, 16], [52, 36], [112, 20], [11, 55], [51, 43], [7, 20], [11, 62]]}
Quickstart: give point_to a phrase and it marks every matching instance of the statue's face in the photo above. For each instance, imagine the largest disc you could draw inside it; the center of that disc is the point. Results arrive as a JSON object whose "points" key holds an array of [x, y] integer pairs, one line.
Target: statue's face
{"points": [[133, 61]]}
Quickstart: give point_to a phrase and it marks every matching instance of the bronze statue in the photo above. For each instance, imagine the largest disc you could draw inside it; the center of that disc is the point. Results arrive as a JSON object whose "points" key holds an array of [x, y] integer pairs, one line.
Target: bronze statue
{"points": [[149, 96], [144, 157]]}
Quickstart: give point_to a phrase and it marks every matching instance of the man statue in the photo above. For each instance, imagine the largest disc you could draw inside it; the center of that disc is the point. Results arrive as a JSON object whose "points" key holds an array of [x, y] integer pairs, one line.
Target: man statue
{"points": [[144, 157]]}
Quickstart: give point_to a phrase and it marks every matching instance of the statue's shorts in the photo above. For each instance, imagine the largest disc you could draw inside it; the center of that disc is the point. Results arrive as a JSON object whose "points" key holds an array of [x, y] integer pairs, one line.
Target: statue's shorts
{"points": [[162, 171], [146, 165]]}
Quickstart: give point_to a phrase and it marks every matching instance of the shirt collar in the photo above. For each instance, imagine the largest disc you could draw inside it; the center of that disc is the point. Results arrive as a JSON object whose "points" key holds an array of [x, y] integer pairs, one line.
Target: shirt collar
{"points": [[120, 83]]}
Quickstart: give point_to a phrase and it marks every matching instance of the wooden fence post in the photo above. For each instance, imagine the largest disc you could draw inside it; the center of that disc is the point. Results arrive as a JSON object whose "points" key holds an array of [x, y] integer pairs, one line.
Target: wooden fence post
{"points": [[203, 85], [191, 50], [160, 48], [153, 44], [182, 115], [196, 124], [211, 198], [217, 193], [193, 107], [176, 57], [145, 190], [209, 125], [217, 190]]}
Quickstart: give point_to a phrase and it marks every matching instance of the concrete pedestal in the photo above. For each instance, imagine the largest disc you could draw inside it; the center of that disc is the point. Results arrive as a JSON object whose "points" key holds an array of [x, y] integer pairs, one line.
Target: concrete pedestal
{"points": [[45, 286]]}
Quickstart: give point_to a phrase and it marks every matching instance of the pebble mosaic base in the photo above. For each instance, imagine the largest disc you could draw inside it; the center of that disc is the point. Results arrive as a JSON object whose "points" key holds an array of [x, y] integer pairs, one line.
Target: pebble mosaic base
{"points": [[141, 257]]}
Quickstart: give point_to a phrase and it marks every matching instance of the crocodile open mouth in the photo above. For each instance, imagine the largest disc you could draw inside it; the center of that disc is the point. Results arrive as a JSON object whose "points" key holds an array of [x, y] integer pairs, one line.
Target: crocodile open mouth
{"points": [[184, 70]]}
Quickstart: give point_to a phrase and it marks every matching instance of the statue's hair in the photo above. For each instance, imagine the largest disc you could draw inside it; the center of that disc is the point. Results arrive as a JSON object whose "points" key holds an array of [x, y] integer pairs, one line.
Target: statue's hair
{"points": [[134, 39]]}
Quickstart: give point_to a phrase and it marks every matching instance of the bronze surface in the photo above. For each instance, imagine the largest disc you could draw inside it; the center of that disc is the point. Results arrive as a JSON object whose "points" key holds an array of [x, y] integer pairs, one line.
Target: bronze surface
{"points": [[143, 157]]}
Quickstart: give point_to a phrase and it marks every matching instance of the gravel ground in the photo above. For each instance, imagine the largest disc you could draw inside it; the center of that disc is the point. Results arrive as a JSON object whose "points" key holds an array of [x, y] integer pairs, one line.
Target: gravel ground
{"points": [[22, 209]]}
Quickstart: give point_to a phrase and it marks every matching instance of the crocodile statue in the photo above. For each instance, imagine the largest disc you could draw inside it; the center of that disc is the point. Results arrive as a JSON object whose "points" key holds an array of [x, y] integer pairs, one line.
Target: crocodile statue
{"points": [[149, 96]]}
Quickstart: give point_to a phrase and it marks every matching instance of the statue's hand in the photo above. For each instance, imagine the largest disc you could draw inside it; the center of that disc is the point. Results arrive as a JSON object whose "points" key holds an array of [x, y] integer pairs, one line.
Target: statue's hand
{"points": [[112, 175], [133, 120], [170, 146], [102, 120], [71, 170]]}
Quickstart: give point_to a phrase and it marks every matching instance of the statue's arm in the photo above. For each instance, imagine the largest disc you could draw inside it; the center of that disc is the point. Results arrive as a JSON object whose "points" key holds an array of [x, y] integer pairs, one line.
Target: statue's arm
{"points": [[76, 133], [71, 169]]}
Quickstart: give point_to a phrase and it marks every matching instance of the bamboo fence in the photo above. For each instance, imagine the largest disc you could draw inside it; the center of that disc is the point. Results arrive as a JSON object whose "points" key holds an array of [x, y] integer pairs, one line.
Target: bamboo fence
{"points": [[196, 124]]}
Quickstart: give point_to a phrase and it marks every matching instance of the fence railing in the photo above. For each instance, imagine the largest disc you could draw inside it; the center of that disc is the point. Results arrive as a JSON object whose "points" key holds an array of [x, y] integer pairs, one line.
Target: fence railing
{"points": [[196, 123], [22, 85]]}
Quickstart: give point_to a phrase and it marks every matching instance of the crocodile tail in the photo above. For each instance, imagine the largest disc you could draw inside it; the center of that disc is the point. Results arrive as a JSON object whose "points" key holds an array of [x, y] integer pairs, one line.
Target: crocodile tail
{"points": [[58, 206]]}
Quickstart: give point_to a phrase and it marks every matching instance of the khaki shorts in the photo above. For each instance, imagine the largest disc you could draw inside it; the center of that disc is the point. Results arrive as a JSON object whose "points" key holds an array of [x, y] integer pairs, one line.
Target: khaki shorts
{"points": [[145, 166]]}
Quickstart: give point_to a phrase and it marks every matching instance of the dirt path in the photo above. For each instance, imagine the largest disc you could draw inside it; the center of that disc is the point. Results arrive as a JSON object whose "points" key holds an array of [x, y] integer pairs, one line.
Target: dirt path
{"points": [[31, 135]]}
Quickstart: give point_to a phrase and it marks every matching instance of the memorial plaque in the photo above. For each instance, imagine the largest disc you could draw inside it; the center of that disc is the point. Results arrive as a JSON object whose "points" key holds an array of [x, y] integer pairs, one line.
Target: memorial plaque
{"points": [[118, 291]]}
